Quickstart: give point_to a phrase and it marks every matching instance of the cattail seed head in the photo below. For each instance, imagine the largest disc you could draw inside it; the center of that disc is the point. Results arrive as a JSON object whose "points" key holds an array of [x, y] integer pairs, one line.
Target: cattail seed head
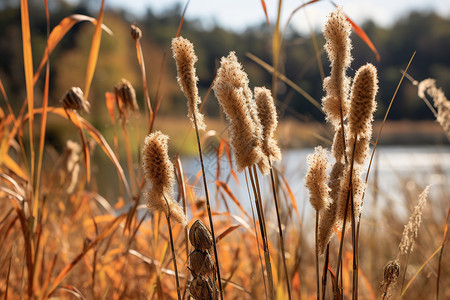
{"points": [[267, 114], [200, 262], [362, 100], [200, 236], [185, 58], [411, 230], [125, 97], [159, 171], [235, 97], [74, 99], [316, 177], [338, 45], [201, 288], [136, 33]]}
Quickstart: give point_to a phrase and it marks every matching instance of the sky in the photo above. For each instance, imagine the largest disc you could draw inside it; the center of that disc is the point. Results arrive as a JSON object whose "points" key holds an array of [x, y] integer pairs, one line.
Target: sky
{"points": [[239, 14]]}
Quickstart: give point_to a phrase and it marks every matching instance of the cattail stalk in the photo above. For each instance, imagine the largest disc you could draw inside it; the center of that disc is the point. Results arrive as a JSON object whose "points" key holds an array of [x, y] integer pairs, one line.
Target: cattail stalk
{"points": [[185, 58], [159, 171], [268, 118]]}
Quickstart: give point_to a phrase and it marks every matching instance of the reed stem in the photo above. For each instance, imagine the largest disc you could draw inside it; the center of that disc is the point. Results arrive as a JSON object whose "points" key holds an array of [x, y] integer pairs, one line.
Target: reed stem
{"points": [[173, 255], [317, 255], [275, 198], [208, 206]]}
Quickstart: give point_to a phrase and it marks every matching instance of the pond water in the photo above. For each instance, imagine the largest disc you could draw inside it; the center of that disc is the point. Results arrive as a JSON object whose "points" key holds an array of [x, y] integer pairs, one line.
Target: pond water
{"points": [[396, 168]]}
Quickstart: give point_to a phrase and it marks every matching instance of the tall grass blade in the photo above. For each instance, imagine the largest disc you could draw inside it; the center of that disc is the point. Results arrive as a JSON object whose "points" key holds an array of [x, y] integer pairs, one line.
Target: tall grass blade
{"points": [[93, 54], [263, 3], [444, 241], [28, 67]]}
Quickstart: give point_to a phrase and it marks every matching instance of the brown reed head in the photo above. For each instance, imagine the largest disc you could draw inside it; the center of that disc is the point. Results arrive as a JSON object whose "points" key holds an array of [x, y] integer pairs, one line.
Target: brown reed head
{"points": [[235, 98], [159, 171], [125, 97], [202, 288], [391, 273], [338, 45], [74, 100], [185, 58], [362, 101], [200, 236], [267, 114], [316, 179], [201, 262], [136, 32]]}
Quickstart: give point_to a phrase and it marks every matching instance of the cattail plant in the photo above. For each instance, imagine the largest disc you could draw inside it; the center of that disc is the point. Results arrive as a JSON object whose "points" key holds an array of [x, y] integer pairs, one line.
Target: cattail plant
{"points": [[159, 171], [185, 58], [245, 134], [315, 181], [267, 115]]}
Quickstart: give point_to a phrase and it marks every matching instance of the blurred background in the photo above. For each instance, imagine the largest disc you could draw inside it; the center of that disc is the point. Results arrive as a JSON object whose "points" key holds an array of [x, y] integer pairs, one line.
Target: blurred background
{"points": [[396, 28]]}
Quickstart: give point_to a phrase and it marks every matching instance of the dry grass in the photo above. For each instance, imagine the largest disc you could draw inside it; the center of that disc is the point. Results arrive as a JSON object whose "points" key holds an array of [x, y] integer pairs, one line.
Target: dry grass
{"points": [[61, 239]]}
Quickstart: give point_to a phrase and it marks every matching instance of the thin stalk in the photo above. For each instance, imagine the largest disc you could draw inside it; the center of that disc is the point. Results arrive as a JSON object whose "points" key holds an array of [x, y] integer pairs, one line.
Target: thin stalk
{"points": [[317, 256], [325, 271], [173, 255], [129, 156], [140, 57], [440, 255], [354, 237], [208, 206], [275, 198], [263, 233], [256, 235]]}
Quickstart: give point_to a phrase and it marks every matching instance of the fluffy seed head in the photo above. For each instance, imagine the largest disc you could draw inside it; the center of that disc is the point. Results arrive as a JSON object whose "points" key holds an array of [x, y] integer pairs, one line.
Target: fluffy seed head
{"points": [[338, 45], [411, 230], [185, 58], [159, 171], [268, 117], [338, 148], [316, 177], [74, 99], [357, 190], [235, 98], [362, 100], [440, 102], [200, 236]]}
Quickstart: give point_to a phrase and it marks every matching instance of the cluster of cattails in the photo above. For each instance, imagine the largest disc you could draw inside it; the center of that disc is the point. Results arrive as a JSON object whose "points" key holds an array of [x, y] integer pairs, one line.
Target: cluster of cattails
{"points": [[201, 263], [349, 108], [252, 121]]}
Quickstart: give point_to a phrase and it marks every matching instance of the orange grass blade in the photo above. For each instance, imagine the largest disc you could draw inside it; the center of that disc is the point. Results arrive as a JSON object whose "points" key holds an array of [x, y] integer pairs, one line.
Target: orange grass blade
{"points": [[14, 167], [444, 241], [110, 100], [93, 55], [28, 66], [59, 32], [5, 96], [182, 19], [110, 228], [227, 190], [358, 30], [263, 3], [227, 232], [420, 269], [7, 278]]}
